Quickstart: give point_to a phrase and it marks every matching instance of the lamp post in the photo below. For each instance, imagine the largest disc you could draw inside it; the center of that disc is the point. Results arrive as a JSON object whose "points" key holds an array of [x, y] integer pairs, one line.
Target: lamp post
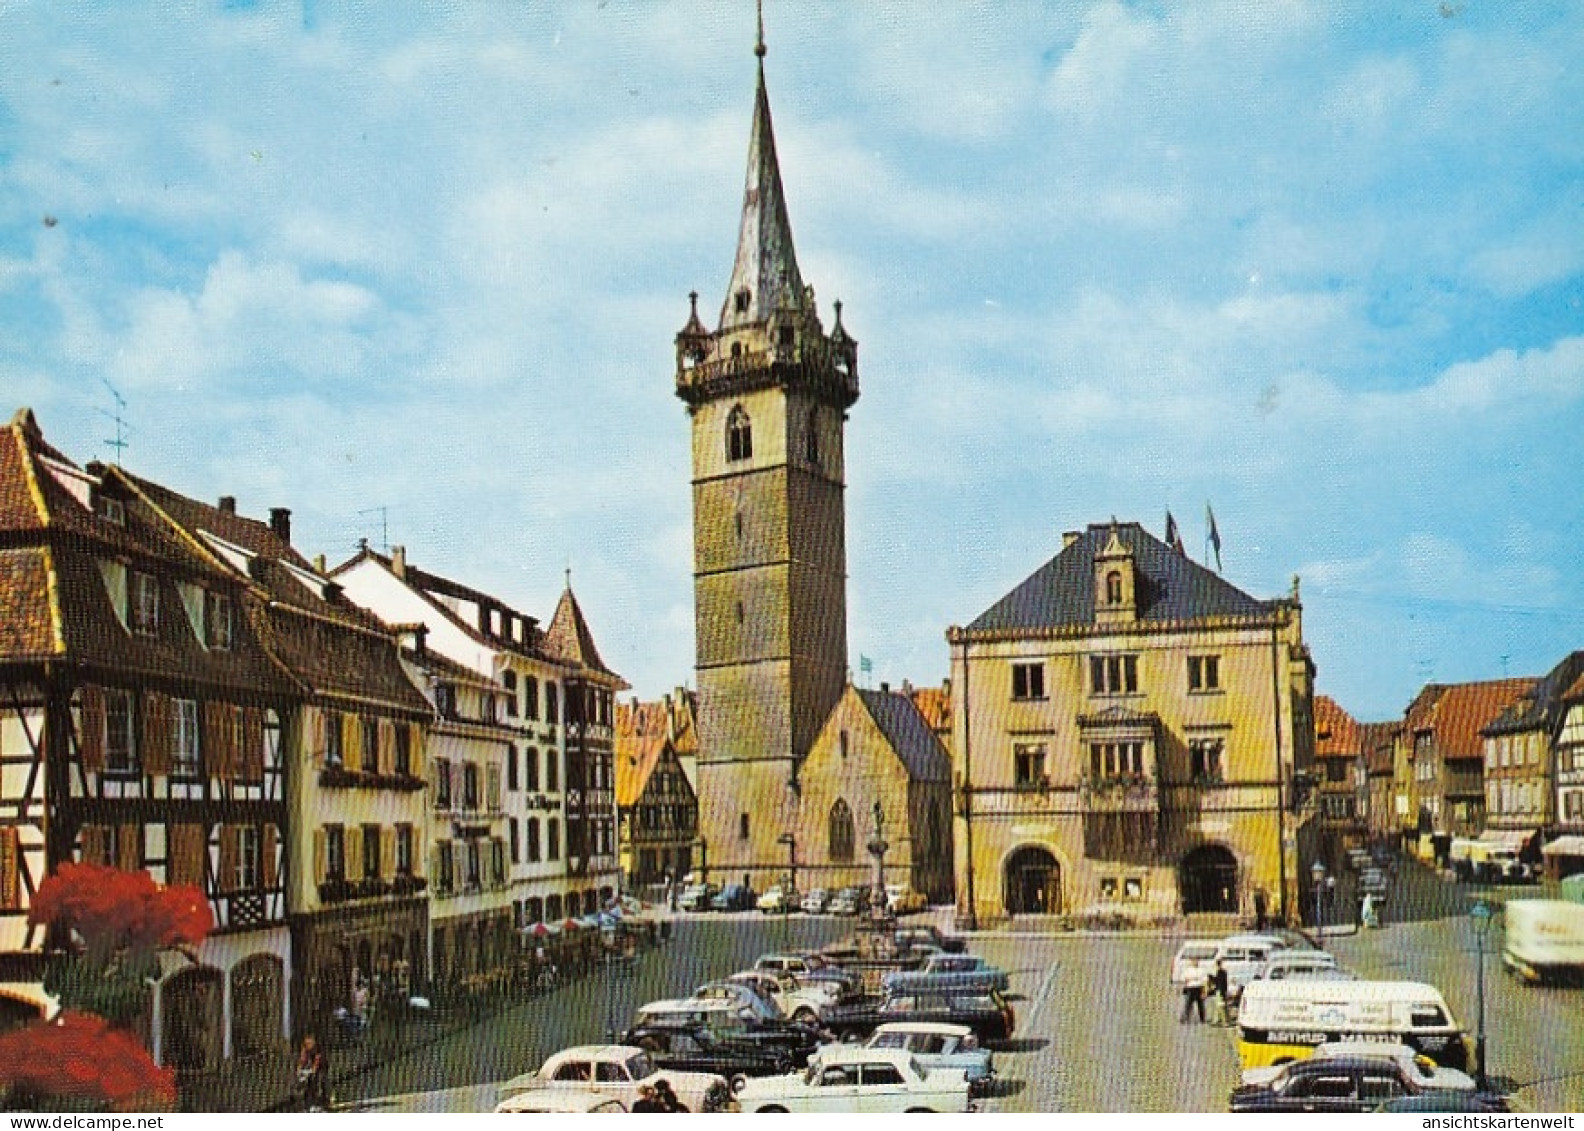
{"points": [[1481, 914], [786, 896], [1318, 875]]}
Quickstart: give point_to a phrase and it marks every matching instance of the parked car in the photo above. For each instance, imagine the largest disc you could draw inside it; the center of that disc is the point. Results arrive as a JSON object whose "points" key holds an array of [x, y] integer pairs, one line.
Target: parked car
{"points": [[1299, 964], [949, 971], [734, 897], [903, 900], [814, 902], [1194, 961], [700, 1047], [937, 1045], [806, 1003], [697, 897], [730, 1019], [779, 898], [849, 901], [1421, 1068], [1330, 1084], [620, 1071], [858, 1080], [813, 967], [987, 1014], [560, 1101], [927, 934]]}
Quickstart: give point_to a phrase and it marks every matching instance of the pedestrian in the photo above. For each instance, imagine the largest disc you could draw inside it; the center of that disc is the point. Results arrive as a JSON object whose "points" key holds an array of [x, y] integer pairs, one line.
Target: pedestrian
{"points": [[1261, 910], [667, 1097], [313, 1074], [647, 1100], [1193, 992], [1220, 986]]}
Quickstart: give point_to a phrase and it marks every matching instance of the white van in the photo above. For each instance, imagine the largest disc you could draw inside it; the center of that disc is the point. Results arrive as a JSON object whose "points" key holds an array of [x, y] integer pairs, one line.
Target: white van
{"points": [[1544, 939], [1284, 1020], [1242, 955]]}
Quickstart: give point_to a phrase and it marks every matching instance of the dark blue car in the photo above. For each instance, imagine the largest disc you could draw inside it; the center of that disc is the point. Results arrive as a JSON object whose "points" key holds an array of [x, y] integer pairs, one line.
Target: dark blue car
{"points": [[735, 897]]}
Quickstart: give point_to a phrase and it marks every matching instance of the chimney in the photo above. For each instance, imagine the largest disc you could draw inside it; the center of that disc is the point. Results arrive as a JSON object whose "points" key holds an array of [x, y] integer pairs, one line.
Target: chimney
{"points": [[399, 561], [885, 688], [946, 687], [228, 504], [319, 563], [1070, 536], [280, 522]]}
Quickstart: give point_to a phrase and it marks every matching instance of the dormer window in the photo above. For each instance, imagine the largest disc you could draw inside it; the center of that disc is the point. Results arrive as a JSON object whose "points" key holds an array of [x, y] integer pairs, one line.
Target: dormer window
{"points": [[1113, 585], [143, 603], [217, 621], [109, 509], [739, 435]]}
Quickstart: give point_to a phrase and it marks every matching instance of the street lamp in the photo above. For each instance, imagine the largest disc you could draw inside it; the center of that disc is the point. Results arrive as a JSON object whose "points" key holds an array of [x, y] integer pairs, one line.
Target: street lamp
{"points": [[1318, 874], [1481, 914], [786, 896]]}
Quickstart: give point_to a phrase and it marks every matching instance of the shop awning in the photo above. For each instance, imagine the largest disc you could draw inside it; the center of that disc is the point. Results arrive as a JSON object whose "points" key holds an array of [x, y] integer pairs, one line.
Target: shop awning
{"points": [[1565, 846], [1511, 839]]}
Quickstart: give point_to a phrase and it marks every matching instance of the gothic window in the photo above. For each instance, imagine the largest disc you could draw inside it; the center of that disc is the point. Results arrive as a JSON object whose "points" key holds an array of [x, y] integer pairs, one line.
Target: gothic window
{"points": [[841, 832], [739, 435]]}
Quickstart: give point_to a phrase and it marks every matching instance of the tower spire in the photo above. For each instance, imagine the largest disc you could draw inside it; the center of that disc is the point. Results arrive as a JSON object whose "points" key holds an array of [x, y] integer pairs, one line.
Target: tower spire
{"points": [[765, 275]]}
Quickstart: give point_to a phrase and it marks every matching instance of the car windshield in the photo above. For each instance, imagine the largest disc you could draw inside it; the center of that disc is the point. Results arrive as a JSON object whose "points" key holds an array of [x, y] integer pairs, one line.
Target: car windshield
{"points": [[639, 1066]]}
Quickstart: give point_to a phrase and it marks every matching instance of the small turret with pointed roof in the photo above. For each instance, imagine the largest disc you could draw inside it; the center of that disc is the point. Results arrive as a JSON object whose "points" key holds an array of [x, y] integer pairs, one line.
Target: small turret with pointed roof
{"points": [[769, 331], [569, 638]]}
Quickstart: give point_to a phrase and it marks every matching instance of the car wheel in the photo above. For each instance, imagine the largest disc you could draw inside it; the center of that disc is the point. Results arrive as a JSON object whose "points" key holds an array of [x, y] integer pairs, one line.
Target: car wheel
{"points": [[924, 1110], [772, 1110]]}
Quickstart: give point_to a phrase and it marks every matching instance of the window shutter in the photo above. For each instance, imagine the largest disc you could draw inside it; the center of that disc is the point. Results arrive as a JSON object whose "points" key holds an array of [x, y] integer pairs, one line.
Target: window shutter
{"points": [[10, 870], [387, 746], [354, 852], [213, 736], [252, 760], [155, 733], [267, 869], [415, 750], [129, 847], [186, 855], [233, 741], [91, 729], [316, 741], [230, 837], [387, 853], [351, 742], [321, 846]]}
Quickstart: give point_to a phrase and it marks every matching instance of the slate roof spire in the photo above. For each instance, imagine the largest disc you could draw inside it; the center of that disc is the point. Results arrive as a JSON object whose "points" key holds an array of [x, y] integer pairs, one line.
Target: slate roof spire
{"points": [[765, 276]]}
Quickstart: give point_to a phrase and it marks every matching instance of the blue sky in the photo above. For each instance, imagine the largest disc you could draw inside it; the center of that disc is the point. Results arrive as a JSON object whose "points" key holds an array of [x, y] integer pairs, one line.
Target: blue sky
{"points": [[1320, 265]]}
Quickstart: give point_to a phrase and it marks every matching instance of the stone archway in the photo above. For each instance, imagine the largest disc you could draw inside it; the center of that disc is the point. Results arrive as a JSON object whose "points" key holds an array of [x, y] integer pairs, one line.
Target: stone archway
{"points": [[1207, 880], [1031, 882], [191, 1001], [256, 1005]]}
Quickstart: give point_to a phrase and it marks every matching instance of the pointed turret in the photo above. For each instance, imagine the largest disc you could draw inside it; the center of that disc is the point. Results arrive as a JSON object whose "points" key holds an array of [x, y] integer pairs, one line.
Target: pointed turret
{"points": [[569, 638]]}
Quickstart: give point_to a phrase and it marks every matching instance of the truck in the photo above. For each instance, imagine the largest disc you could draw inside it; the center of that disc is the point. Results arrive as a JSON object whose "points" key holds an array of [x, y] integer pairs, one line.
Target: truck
{"points": [[1544, 939]]}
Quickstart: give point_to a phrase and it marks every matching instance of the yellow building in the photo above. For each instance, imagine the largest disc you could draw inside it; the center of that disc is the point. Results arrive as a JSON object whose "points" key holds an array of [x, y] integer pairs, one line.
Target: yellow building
{"points": [[1131, 734]]}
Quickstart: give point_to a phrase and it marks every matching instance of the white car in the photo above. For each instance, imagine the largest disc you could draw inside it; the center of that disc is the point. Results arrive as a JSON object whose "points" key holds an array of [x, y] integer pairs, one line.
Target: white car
{"points": [[1299, 964], [801, 1001], [560, 1101], [857, 1080], [814, 902], [938, 1045], [1415, 1065], [778, 899], [619, 1071]]}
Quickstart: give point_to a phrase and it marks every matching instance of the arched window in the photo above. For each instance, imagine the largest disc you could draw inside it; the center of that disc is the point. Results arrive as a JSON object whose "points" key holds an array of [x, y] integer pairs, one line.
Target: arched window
{"points": [[1113, 588], [841, 832], [739, 435], [811, 447]]}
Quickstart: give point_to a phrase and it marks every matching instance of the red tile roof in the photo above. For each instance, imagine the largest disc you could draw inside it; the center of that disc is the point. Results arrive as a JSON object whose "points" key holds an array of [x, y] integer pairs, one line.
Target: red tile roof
{"points": [[569, 638], [1456, 713], [1336, 731], [934, 703]]}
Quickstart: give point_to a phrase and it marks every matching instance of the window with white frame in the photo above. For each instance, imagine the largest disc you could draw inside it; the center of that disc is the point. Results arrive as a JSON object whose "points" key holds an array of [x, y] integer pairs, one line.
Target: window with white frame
{"points": [[185, 759], [143, 602], [1113, 675], [218, 625], [120, 746], [247, 859]]}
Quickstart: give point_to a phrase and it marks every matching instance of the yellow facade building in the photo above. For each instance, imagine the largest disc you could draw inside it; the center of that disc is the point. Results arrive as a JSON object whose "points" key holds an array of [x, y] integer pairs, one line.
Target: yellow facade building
{"points": [[1132, 735]]}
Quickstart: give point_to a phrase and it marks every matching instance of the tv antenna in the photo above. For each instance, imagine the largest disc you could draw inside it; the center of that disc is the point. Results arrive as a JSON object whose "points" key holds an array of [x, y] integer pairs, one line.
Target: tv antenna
{"points": [[122, 427], [384, 513]]}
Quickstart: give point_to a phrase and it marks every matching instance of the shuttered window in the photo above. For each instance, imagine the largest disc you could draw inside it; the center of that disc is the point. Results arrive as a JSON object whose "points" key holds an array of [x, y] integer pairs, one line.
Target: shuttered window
{"points": [[188, 844], [10, 870], [91, 729]]}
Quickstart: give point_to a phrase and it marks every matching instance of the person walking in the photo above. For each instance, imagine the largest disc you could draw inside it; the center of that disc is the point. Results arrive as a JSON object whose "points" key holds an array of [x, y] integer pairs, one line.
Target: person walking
{"points": [[1261, 910], [647, 1100], [1220, 987], [313, 1074], [1193, 992], [668, 1097]]}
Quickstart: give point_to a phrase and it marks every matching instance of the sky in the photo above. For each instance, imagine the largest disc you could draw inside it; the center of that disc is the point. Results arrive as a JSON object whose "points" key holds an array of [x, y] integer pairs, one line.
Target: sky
{"points": [[415, 273]]}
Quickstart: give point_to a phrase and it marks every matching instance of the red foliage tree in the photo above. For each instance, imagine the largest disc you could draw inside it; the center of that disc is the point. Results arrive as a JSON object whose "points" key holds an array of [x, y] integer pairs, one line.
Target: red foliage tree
{"points": [[78, 1059], [112, 912]]}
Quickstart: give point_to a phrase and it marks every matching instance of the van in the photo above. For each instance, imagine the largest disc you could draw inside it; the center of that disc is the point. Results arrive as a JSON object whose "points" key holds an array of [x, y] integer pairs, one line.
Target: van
{"points": [[1242, 955], [1299, 964], [1283, 1020], [1544, 939]]}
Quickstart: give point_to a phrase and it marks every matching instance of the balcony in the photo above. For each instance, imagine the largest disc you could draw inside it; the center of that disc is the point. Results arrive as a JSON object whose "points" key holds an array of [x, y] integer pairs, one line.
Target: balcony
{"points": [[1128, 793]]}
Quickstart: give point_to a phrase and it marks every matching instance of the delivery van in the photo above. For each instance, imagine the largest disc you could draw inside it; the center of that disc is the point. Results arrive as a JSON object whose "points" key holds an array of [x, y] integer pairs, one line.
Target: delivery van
{"points": [[1544, 940], [1283, 1020]]}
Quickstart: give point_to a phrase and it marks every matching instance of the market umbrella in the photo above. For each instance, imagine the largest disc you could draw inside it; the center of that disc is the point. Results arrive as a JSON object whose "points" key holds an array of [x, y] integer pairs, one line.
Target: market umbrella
{"points": [[572, 925], [80, 1056]]}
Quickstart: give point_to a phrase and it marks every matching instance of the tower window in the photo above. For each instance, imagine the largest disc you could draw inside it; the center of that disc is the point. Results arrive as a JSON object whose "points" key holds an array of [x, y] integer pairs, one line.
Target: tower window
{"points": [[739, 524], [1113, 588], [740, 300], [739, 612], [811, 447], [742, 826], [739, 435]]}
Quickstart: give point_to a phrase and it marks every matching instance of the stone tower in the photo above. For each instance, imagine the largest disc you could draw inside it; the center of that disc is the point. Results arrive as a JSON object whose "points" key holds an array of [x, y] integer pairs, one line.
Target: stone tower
{"points": [[767, 391]]}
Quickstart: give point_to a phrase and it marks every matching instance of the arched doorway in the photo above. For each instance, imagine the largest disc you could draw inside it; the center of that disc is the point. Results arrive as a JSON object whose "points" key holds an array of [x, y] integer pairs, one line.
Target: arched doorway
{"points": [[1032, 883], [256, 1005], [191, 1005], [1208, 880]]}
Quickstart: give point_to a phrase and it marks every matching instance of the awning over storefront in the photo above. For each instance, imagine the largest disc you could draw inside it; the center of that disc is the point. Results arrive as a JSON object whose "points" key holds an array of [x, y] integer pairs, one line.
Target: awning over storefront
{"points": [[1565, 846], [1511, 839]]}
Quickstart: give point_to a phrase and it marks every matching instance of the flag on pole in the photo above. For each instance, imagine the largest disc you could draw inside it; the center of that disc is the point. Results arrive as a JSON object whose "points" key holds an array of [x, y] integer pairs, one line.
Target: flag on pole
{"points": [[1173, 537], [865, 665], [1212, 535]]}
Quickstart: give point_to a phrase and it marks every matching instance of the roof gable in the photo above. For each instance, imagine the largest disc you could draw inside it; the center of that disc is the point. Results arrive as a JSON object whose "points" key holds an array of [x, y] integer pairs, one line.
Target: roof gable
{"points": [[908, 733], [569, 638], [1170, 587]]}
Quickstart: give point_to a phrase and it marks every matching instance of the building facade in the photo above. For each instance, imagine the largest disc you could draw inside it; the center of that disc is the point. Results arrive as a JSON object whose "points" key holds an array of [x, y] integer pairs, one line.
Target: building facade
{"points": [[1521, 749], [141, 727], [1343, 775], [656, 807], [1133, 734], [767, 391]]}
